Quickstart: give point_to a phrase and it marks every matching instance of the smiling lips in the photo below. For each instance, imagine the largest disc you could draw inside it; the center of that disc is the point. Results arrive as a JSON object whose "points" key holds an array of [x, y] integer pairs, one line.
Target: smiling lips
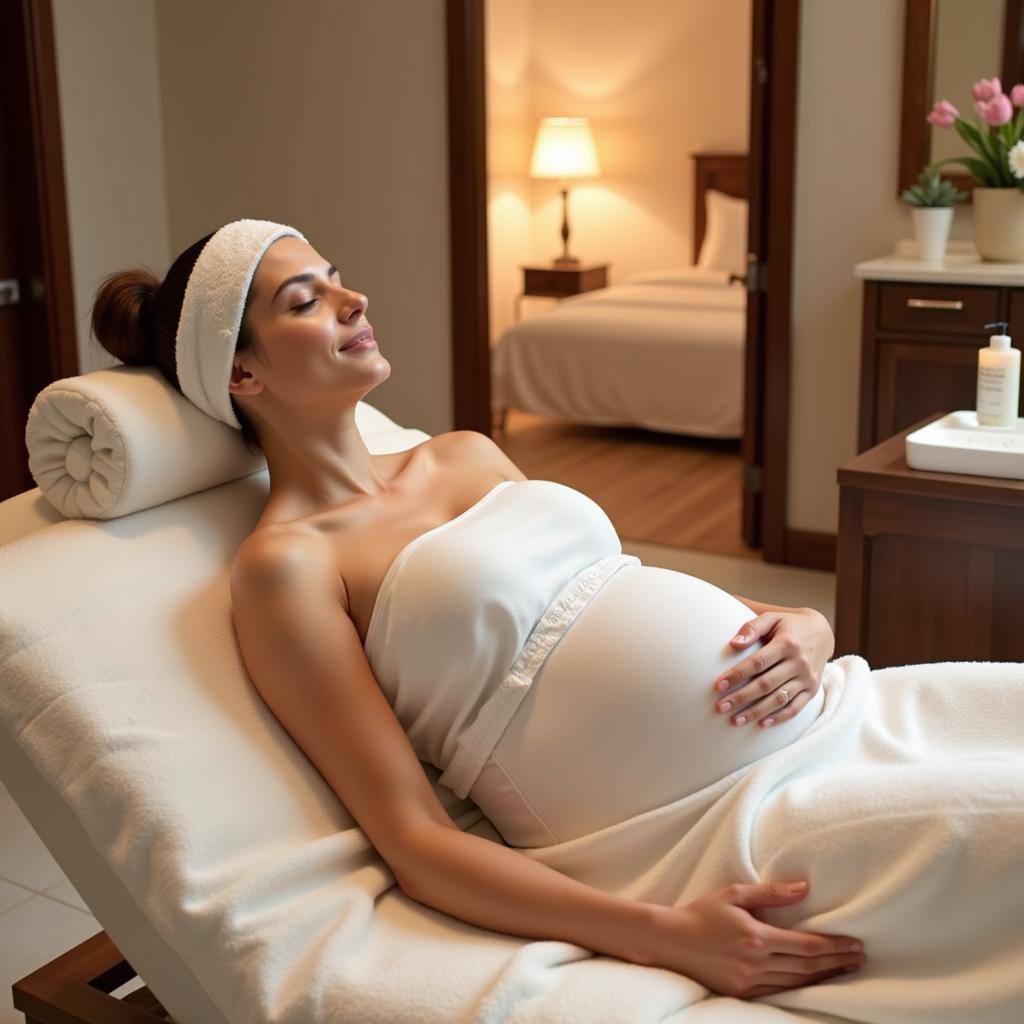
{"points": [[361, 340]]}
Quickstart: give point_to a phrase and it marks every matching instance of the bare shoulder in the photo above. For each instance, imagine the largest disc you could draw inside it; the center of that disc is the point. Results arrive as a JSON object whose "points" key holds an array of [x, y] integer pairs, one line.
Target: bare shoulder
{"points": [[273, 556], [467, 445]]}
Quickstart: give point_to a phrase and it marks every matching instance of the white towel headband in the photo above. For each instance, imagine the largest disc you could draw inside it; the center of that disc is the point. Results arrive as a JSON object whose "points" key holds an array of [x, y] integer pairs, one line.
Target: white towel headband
{"points": [[211, 312]]}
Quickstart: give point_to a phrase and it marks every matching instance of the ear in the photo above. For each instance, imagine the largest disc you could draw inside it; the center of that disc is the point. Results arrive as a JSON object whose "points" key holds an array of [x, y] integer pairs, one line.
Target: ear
{"points": [[243, 382]]}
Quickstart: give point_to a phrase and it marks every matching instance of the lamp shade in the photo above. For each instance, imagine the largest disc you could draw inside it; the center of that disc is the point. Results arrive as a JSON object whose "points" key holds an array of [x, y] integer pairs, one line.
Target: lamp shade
{"points": [[564, 149]]}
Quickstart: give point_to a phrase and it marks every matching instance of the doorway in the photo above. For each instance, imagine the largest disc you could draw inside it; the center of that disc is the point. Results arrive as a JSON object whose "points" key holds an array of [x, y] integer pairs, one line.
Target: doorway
{"points": [[773, 80]]}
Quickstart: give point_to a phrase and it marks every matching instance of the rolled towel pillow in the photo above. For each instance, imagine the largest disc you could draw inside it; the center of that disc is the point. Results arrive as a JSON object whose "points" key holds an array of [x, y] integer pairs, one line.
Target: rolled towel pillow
{"points": [[115, 441]]}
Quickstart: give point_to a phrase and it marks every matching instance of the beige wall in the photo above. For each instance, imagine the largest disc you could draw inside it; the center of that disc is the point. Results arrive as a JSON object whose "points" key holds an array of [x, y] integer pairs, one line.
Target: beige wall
{"points": [[113, 147], [329, 115], [847, 210], [659, 79], [510, 128], [362, 169], [181, 115]]}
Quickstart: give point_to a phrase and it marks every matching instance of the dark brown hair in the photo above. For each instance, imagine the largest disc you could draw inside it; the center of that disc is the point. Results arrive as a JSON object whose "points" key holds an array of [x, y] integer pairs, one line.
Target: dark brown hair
{"points": [[135, 318]]}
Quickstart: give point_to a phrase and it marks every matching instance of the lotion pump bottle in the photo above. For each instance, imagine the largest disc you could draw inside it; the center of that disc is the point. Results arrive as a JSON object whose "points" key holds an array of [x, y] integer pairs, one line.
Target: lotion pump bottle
{"points": [[998, 380]]}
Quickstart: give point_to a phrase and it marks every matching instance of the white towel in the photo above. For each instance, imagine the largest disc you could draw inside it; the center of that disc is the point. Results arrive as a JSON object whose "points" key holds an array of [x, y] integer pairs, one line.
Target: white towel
{"points": [[115, 441]]}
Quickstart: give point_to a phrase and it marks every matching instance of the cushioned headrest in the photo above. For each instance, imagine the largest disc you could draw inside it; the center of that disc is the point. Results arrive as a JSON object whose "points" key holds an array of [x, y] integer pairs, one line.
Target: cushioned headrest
{"points": [[114, 441]]}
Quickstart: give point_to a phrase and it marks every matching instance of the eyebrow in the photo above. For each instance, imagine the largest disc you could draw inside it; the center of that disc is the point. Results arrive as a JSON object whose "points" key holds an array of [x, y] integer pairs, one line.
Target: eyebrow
{"points": [[300, 279]]}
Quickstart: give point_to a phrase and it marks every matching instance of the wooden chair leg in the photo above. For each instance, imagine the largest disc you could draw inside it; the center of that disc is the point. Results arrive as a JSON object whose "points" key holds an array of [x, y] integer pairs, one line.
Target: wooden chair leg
{"points": [[75, 989]]}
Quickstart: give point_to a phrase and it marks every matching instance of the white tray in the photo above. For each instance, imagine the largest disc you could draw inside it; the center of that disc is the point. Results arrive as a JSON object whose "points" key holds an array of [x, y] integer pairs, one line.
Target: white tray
{"points": [[958, 444]]}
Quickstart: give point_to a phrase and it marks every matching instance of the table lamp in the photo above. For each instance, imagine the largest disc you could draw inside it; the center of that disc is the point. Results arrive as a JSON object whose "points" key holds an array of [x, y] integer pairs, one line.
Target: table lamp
{"points": [[564, 149]]}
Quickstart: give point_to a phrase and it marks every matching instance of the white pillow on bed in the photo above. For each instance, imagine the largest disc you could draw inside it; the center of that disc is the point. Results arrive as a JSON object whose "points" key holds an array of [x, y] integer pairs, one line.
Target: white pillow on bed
{"points": [[725, 233]]}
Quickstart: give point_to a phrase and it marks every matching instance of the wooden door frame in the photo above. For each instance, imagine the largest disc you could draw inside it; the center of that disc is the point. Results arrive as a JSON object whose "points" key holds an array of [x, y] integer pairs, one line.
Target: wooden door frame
{"points": [[46, 329], [43, 222], [470, 316]]}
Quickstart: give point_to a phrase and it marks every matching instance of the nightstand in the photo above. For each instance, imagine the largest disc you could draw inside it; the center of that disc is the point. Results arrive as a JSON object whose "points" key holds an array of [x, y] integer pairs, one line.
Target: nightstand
{"points": [[556, 282], [929, 566]]}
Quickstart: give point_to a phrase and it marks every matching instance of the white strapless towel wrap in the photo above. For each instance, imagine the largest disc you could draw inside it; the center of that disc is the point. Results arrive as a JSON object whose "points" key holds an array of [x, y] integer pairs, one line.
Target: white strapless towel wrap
{"points": [[477, 742], [468, 611]]}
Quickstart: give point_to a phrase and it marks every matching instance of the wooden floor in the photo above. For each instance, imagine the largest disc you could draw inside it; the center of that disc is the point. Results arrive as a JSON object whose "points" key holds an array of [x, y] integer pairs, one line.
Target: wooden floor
{"points": [[660, 488]]}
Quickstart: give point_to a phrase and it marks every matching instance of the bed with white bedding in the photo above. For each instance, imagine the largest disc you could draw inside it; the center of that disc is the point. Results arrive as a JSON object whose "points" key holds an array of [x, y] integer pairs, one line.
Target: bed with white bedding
{"points": [[665, 350], [667, 356]]}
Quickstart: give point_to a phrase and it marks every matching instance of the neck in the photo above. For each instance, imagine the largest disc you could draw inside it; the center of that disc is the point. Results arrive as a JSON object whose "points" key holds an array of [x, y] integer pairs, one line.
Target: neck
{"points": [[318, 462]]}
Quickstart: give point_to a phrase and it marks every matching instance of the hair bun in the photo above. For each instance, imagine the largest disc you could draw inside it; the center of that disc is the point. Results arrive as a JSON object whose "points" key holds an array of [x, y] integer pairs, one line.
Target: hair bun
{"points": [[121, 315]]}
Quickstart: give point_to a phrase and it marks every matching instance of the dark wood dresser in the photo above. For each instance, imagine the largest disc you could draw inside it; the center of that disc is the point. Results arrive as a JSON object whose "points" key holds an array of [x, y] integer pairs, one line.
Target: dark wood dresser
{"points": [[921, 337], [929, 566]]}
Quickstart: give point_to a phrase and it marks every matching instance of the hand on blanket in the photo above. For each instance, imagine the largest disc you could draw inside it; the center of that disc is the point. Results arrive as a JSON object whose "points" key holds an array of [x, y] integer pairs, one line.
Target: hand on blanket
{"points": [[717, 941], [798, 644]]}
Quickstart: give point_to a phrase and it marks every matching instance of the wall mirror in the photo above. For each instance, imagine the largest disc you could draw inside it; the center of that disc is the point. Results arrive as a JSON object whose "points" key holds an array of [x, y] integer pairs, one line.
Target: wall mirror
{"points": [[948, 45]]}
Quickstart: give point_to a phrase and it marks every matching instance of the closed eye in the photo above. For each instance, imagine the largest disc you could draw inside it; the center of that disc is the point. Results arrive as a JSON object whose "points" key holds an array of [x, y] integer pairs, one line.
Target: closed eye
{"points": [[302, 306]]}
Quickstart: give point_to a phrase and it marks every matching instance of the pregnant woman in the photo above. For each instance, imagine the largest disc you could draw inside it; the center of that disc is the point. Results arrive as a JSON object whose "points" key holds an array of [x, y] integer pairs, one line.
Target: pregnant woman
{"points": [[434, 605]]}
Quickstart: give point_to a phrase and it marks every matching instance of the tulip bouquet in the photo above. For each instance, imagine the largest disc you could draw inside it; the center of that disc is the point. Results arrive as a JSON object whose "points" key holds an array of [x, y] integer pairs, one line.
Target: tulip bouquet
{"points": [[995, 134]]}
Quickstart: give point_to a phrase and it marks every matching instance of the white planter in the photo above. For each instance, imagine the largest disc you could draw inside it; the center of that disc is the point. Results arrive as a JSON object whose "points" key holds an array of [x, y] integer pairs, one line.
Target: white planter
{"points": [[999, 224], [931, 228]]}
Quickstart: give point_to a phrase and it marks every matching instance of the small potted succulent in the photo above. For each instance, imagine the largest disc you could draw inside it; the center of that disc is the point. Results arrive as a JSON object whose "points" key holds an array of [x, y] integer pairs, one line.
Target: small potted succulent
{"points": [[931, 203]]}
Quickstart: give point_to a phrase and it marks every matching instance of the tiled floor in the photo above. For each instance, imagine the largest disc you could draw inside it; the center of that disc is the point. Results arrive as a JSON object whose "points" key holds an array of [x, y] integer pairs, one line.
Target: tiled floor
{"points": [[42, 916]]}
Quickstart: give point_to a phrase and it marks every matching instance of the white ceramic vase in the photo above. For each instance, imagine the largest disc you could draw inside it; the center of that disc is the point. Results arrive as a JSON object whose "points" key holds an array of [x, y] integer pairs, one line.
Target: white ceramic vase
{"points": [[931, 229], [999, 224]]}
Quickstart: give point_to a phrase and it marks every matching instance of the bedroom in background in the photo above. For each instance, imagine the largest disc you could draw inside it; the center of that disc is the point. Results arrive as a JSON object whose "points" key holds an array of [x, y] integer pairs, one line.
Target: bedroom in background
{"points": [[623, 374]]}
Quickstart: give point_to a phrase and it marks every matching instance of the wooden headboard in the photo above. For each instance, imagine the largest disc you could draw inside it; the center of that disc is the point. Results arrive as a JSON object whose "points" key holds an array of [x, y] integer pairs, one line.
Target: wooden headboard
{"points": [[724, 172]]}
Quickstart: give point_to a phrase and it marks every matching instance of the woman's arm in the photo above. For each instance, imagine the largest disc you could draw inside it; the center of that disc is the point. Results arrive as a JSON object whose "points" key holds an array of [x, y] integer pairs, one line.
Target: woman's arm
{"points": [[496, 887], [716, 939]]}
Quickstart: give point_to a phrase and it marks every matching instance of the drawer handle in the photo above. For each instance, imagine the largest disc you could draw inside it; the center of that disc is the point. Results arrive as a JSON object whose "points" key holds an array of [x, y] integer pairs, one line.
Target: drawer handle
{"points": [[953, 304]]}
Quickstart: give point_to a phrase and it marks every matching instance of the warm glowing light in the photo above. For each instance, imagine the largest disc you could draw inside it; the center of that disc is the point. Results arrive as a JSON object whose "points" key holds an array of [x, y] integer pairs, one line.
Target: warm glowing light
{"points": [[564, 149]]}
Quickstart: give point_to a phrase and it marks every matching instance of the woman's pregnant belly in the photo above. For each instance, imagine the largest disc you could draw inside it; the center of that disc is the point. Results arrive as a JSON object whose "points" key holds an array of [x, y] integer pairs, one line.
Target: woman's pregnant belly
{"points": [[621, 717]]}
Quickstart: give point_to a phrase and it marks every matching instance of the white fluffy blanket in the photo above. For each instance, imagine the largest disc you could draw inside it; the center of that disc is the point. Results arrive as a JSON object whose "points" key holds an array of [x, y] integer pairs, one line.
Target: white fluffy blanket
{"points": [[903, 806]]}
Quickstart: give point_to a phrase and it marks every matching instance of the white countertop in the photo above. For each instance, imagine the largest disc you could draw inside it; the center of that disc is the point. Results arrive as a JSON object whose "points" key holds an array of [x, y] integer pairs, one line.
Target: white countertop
{"points": [[962, 265]]}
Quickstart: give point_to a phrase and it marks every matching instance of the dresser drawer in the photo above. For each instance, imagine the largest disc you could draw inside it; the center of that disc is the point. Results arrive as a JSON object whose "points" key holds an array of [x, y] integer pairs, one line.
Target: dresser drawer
{"points": [[937, 308]]}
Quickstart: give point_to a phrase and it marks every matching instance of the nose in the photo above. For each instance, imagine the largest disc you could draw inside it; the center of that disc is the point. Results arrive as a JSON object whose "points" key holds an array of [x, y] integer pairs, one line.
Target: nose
{"points": [[352, 306]]}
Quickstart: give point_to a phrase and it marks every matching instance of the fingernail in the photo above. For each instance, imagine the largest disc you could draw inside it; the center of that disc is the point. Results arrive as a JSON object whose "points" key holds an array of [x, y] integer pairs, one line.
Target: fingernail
{"points": [[726, 705], [738, 636], [856, 947], [767, 722], [797, 886], [741, 719], [721, 685]]}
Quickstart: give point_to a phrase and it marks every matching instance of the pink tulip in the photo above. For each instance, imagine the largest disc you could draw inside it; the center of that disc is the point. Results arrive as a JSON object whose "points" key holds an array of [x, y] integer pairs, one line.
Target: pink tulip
{"points": [[1017, 95], [986, 89], [943, 114], [995, 111]]}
